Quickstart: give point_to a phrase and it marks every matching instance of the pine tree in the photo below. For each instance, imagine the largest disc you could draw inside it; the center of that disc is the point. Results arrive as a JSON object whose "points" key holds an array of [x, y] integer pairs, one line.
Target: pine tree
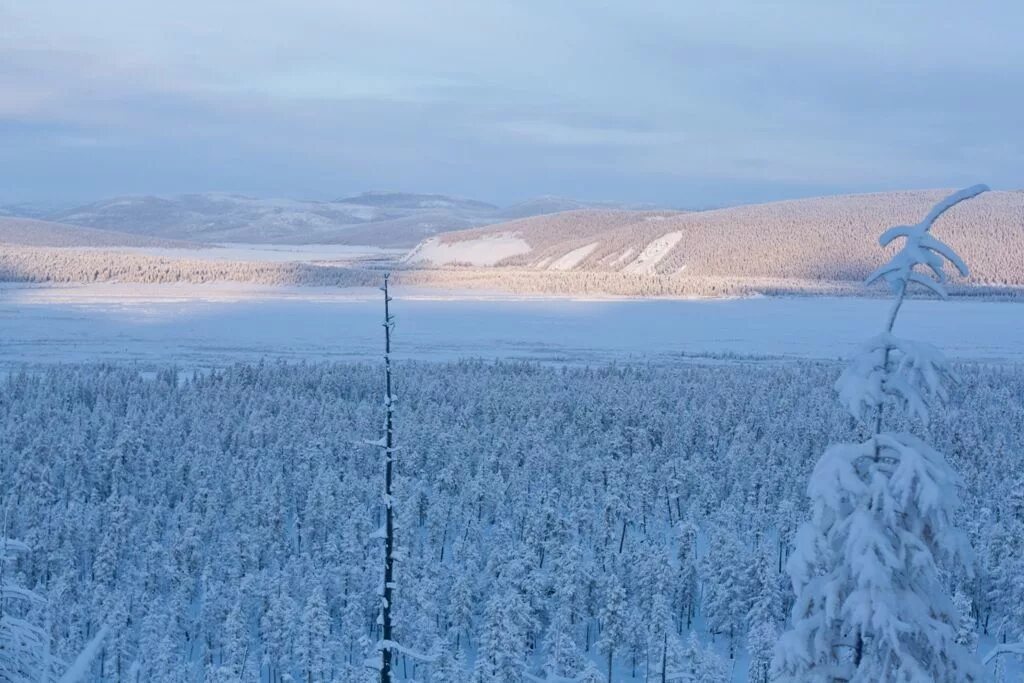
{"points": [[501, 657], [761, 639], [728, 585], [686, 583], [313, 639], [613, 621], [762, 619], [870, 604], [562, 657], [701, 665], [966, 627]]}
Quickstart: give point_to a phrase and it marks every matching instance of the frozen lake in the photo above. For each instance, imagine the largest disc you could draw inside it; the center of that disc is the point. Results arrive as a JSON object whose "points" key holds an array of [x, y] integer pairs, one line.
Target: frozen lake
{"points": [[211, 326]]}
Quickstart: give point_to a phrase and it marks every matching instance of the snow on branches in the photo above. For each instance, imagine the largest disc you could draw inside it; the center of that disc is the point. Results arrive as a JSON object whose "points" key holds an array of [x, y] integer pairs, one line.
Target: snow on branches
{"points": [[893, 370], [922, 249], [870, 603]]}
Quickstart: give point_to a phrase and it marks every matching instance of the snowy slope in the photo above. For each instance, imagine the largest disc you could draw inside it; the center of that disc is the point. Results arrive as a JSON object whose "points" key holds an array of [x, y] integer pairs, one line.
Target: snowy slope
{"points": [[827, 239], [653, 253], [485, 251]]}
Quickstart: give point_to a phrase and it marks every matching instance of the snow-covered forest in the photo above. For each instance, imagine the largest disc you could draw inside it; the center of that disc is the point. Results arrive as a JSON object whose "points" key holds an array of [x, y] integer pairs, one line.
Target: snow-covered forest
{"points": [[811, 246], [60, 266], [511, 342], [223, 525]]}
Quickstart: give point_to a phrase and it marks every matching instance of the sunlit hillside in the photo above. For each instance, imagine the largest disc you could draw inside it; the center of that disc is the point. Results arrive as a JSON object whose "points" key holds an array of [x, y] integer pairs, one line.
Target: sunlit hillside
{"points": [[827, 239]]}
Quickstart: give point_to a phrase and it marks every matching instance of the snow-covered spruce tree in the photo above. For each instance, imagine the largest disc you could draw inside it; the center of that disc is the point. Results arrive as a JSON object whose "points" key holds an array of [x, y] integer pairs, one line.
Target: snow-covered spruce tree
{"points": [[613, 621], [870, 604], [702, 664]]}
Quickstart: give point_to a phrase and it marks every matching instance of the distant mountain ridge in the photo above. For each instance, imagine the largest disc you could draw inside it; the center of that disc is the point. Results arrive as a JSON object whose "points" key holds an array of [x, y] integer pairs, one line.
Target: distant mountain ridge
{"points": [[378, 218], [30, 209], [548, 204], [31, 232], [409, 200]]}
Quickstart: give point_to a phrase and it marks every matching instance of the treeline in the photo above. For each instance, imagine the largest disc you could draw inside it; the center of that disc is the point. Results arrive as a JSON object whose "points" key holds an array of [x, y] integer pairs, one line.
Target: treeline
{"points": [[550, 519], [41, 265], [63, 266]]}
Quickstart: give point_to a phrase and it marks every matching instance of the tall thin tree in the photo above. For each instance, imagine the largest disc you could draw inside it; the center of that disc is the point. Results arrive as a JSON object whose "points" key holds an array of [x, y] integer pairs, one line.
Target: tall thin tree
{"points": [[871, 603], [387, 444]]}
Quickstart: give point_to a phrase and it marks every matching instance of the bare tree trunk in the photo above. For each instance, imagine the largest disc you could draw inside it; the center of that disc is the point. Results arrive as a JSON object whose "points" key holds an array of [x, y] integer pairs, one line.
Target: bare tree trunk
{"points": [[389, 522], [664, 659]]}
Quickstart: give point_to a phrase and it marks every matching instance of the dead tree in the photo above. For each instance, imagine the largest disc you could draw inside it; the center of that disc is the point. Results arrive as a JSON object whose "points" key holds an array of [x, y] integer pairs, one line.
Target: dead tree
{"points": [[387, 445]]}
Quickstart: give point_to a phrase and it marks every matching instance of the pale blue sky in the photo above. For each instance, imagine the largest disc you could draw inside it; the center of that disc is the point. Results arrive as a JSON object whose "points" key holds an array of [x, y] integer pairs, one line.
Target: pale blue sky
{"points": [[668, 101]]}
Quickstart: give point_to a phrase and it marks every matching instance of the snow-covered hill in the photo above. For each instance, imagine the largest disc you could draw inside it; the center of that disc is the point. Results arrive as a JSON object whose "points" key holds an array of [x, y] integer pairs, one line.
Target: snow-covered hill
{"points": [[827, 239], [812, 246], [30, 232], [221, 217], [371, 218]]}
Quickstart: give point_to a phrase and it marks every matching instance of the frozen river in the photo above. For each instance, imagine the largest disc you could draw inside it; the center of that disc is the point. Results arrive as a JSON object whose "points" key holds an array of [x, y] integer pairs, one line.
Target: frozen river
{"points": [[211, 326]]}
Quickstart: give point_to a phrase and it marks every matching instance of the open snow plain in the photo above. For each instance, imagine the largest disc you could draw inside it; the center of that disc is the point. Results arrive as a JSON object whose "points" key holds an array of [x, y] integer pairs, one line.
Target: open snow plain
{"points": [[209, 326]]}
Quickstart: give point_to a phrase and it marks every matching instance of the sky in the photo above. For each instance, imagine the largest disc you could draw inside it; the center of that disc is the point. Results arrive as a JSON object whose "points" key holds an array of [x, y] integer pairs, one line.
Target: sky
{"points": [[680, 103]]}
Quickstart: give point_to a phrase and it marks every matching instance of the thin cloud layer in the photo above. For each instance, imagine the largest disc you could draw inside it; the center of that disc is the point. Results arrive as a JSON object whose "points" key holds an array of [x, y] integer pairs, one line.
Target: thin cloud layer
{"points": [[685, 104]]}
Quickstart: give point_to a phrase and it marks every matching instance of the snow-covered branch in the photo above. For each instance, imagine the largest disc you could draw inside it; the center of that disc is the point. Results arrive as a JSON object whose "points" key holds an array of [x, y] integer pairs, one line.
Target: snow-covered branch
{"points": [[890, 369], [1004, 649], [923, 249]]}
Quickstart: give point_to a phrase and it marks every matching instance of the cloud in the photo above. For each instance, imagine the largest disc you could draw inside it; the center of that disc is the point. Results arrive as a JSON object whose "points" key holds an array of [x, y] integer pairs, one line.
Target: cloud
{"points": [[561, 134], [735, 100]]}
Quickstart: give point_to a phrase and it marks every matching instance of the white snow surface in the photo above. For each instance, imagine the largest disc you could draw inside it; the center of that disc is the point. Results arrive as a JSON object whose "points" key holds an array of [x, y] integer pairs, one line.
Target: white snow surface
{"points": [[483, 251], [652, 254], [79, 668], [573, 258], [210, 326], [623, 256]]}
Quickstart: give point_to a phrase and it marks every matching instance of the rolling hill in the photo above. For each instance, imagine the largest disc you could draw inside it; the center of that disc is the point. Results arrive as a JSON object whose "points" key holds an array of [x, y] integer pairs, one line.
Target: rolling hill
{"points": [[821, 240], [392, 219], [30, 232], [824, 245], [220, 217]]}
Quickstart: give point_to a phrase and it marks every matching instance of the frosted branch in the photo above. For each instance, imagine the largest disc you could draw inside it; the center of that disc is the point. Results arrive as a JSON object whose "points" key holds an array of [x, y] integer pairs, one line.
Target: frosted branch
{"points": [[922, 249], [890, 369], [1005, 649]]}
